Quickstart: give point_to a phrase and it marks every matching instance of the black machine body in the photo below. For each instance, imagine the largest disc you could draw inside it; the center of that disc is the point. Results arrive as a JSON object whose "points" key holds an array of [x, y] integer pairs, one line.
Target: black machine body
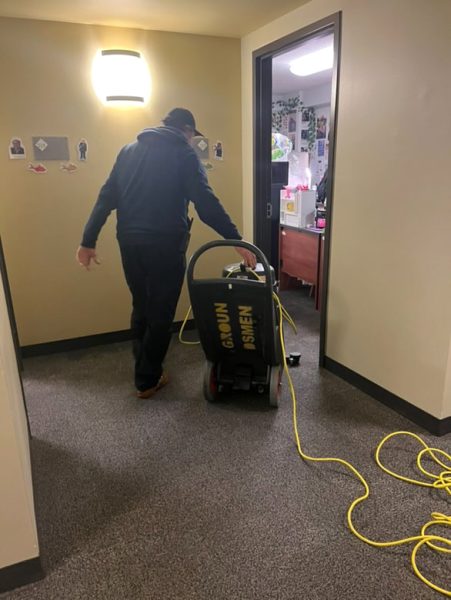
{"points": [[238, 327]]}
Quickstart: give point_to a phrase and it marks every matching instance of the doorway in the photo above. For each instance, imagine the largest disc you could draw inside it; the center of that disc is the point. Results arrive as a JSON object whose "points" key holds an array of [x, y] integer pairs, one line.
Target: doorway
{"points": [[12, 321], [290, 166]]}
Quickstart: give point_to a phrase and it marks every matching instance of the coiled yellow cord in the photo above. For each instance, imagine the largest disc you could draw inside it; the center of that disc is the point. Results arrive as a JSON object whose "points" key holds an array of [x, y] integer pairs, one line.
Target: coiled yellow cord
{"points": [[441, 481]]}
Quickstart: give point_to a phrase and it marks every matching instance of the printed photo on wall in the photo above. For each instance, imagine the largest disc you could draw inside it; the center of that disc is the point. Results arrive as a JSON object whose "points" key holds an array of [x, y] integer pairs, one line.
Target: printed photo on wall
{"points": [[292, 123], [218, 151], [321, 127], [82, 149], [292, 138], [304, 134], [321, 144], [305, 115], [16, 148]]}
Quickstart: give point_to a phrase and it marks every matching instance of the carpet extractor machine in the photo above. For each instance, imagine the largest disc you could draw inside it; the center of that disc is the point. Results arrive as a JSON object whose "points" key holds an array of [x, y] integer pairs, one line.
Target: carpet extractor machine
{"points": [[238, 325]]}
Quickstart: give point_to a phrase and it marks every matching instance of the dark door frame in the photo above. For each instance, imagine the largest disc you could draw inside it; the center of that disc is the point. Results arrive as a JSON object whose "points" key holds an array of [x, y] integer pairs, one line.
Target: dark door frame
{"points": [[262, 103]]}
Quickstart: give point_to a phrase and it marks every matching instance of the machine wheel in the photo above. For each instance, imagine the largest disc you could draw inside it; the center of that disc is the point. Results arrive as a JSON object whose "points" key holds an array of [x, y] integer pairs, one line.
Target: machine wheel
{"points": [[275, 386], [210, 385]]}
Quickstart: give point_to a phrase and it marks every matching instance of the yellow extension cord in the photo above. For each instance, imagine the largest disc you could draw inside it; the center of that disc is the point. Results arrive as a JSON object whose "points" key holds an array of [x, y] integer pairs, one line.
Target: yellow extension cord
{"points": [[442, 481]]}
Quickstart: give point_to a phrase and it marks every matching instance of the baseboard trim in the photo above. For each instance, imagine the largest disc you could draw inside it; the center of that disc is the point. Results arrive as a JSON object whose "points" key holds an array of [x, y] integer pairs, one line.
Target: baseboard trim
{"points": [[20, 574], [432, 424], [88, 341]]}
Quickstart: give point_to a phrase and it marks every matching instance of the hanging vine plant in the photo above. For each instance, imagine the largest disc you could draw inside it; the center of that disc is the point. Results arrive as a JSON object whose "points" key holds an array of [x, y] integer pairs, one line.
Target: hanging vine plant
{"points": [[311, 135], [283, 108]]}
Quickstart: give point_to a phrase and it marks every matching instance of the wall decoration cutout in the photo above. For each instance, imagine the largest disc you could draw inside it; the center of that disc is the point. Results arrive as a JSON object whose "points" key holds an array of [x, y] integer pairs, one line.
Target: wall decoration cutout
{"points": [[82, 149], [207, 165], [16, 149], [201, 147], [68, 167], [219, 150], [50, 148], [39, 169]]}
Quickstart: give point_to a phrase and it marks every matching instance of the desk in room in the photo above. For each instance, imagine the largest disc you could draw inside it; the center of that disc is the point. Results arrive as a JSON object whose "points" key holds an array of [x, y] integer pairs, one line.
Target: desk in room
{"points": [[300, 257]]}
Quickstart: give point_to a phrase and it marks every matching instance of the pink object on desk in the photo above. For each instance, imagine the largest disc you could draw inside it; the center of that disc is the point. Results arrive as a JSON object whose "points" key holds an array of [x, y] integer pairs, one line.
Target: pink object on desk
{"points": [[287, 191], [321, 223]]}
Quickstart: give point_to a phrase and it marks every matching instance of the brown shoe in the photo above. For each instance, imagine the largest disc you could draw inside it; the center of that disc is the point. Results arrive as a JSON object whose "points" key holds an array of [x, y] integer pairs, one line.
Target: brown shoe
{"points": [[164, 379]]}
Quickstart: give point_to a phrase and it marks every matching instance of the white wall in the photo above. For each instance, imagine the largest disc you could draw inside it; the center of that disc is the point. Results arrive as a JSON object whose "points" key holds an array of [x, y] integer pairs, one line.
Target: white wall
{"points": [[389, 310], [18, 537], [317, 95]]}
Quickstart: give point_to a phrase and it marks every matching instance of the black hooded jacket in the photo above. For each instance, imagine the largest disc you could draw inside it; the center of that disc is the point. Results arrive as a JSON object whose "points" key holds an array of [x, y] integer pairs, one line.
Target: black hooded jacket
{"points": [[150, 187]]}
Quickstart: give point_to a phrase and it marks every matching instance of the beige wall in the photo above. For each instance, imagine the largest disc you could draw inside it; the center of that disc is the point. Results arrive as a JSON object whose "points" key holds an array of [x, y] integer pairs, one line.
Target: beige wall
{"points": [[389, 312], [447, 392], [18, 537], [45, 70]]}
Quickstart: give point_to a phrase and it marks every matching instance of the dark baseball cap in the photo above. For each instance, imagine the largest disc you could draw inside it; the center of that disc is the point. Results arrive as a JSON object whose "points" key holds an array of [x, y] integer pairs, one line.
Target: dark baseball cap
{"points": [[180, 118]]}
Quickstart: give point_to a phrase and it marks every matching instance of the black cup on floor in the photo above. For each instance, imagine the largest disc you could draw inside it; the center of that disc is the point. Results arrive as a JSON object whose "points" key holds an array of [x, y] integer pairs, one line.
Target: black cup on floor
{"points": [[293, 359]]}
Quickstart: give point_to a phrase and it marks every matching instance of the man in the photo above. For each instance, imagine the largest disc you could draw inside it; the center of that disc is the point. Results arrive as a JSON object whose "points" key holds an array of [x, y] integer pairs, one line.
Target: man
{"points": [[16, 147], [82, 149], [150, 187]]}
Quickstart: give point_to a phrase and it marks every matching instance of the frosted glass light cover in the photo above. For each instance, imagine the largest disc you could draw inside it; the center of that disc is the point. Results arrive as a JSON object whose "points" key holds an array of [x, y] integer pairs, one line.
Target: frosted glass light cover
{"points": [[121, 76], [317, 61]]}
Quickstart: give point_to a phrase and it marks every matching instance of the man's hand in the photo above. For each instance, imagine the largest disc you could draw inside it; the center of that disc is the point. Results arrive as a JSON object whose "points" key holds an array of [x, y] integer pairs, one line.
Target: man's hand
{"points": [[85, 255], [248, 257]]}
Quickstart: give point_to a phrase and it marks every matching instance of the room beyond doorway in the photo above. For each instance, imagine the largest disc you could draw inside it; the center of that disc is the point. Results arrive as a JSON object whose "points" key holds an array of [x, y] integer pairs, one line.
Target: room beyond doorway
{"points": [[294, 156]]}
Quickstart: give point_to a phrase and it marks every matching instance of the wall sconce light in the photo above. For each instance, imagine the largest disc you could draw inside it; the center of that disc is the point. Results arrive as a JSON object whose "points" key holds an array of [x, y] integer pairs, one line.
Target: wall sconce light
{"points": [[121, 77]]}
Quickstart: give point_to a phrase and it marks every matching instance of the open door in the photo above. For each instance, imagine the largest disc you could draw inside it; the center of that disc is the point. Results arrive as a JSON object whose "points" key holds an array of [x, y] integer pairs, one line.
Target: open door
{"points": [[12, 320], [263, 215], [9, 304]]}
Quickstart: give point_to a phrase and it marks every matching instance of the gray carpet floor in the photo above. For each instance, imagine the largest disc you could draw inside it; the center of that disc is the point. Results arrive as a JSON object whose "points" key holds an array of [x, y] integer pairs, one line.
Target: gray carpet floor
{"points": [[174, 498]]}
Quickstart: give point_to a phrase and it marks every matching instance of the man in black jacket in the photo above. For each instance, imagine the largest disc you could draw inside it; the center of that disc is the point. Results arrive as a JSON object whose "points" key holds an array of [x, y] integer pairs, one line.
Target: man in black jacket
{"points": [[322, 188], [150, 186]]}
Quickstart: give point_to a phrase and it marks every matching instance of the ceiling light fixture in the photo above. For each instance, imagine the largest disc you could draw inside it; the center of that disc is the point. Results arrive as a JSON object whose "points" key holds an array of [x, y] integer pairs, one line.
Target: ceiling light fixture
{"points": [[317, 61], [121, 76]]}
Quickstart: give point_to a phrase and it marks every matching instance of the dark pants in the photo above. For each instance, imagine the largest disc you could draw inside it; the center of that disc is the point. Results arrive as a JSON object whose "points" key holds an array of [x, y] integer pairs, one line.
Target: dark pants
{"points": [[154, 274]]}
